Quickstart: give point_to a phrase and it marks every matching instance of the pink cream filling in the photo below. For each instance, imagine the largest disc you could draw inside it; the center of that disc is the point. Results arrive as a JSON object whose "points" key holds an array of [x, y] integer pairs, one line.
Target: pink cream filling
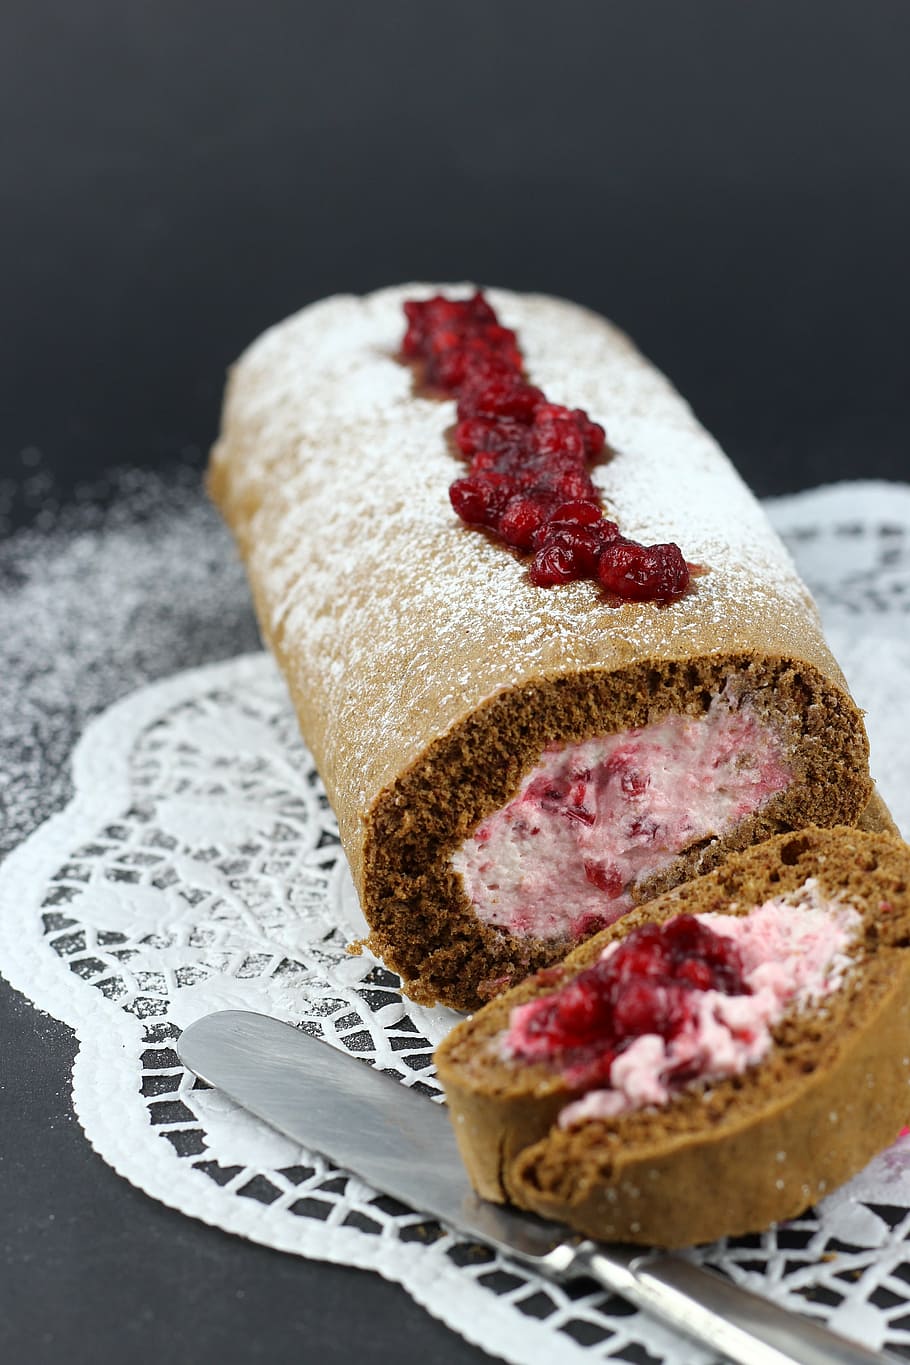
{"points": [[793, 955], [592, 819]]}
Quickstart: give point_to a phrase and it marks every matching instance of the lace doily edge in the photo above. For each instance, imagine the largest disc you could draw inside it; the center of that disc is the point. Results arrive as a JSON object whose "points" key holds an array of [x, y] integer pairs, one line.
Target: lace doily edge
{"points": [[423, 1271], [100, 788], [855, 500]]}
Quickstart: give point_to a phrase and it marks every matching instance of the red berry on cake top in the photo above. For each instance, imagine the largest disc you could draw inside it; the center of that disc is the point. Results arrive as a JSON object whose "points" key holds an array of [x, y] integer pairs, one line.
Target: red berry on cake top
{"points": [[528, 483]]}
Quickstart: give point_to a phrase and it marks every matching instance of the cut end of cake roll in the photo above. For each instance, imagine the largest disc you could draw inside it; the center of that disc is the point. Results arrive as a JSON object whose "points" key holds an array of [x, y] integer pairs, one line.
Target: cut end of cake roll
{"points": [[712, 1063], [561, 804]]}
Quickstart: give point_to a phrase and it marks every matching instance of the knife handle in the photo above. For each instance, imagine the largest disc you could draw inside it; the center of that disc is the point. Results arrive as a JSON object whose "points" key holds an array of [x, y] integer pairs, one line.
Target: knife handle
{"points": [[745, 1327]]}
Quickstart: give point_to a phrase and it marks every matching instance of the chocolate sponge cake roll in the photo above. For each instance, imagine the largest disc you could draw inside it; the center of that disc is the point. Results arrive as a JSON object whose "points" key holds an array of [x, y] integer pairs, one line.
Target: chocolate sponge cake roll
{"points": [[513, 766]]}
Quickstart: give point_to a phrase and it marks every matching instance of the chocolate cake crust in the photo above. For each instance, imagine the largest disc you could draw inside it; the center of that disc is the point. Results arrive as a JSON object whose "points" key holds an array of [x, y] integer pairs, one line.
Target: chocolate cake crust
{"points": [[428, 673]]}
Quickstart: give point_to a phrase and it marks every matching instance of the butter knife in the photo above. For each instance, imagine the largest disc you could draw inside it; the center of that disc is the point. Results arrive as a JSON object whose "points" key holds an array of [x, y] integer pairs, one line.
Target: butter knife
{"points": [[402, 1144]]}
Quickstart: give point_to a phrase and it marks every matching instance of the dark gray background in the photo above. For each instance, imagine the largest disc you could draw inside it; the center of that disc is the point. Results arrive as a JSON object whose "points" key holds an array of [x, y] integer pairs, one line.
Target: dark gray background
{"points": [[728, 181], [731, 182]]}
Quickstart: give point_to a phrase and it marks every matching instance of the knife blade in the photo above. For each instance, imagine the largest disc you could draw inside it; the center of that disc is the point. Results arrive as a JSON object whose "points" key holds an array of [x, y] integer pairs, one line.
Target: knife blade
{"points": [[403, 1145]]}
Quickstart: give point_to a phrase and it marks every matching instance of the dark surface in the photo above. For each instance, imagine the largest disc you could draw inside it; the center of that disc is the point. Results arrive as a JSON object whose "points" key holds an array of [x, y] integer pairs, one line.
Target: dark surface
{"points": [[729, 182], [95, 1271]]}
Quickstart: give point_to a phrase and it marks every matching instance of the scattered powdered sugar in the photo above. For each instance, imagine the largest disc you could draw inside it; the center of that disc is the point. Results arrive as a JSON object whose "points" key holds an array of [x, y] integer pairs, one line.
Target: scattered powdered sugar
{"points": [[94, 602], [362, 566]]}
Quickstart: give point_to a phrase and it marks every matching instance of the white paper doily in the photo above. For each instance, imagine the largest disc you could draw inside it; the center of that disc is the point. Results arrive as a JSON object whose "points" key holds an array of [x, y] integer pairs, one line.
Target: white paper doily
{"points": [[198, 868]]}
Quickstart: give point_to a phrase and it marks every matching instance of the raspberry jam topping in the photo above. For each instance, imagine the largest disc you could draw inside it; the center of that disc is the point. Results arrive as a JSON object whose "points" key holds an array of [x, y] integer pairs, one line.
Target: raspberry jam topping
{"points": [[528, 483], [591, 820], [692, 998], [648, 985]]}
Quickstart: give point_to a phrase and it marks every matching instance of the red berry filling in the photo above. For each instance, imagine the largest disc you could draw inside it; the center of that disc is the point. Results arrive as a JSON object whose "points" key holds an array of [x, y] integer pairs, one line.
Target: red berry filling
{"points": [[647, 985], [528, 482]]}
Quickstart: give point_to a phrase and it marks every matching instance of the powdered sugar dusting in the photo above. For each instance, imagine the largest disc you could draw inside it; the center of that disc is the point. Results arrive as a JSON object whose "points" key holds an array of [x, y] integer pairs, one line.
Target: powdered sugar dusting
{"points": [[325, 437], [94, 606]]}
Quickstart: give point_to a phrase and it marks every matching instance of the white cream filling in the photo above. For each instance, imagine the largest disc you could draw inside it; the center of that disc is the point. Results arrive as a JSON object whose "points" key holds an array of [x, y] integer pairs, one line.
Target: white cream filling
{"points": [[592, 819]]}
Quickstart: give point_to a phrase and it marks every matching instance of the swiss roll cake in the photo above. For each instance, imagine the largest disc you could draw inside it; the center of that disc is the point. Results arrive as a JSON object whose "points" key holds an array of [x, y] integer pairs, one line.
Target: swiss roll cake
{"points": [[519, 755]]}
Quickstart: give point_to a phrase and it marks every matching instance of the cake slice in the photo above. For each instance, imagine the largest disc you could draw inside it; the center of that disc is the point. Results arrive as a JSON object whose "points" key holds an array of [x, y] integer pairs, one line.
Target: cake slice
{"points": [[714, 1062]]}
